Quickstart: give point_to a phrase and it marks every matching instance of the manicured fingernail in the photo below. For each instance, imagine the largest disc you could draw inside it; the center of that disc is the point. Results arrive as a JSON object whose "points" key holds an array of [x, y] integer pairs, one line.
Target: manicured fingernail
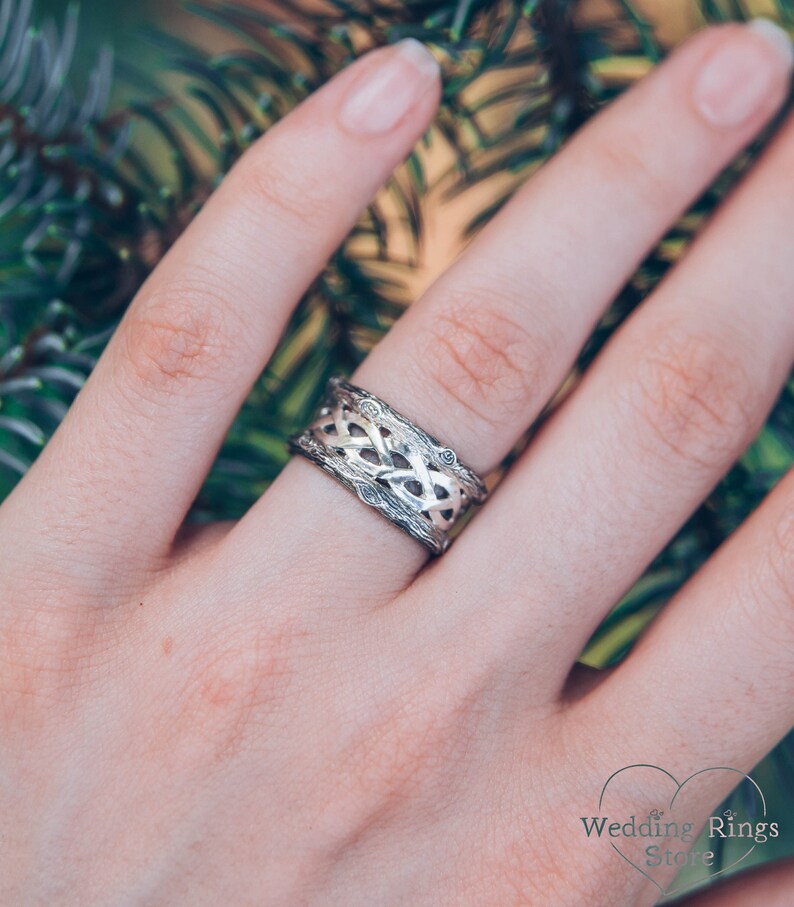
{"points": [[382, 96], [776, 36], [741, 75]]}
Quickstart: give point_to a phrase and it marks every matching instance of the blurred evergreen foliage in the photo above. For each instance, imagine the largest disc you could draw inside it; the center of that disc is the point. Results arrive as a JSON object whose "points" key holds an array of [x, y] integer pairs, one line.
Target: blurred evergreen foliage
{"points": [[92, 195]]}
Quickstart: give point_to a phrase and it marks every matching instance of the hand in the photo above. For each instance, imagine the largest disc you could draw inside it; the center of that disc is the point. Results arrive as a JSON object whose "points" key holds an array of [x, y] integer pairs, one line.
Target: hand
{"points": [[298, 708]]}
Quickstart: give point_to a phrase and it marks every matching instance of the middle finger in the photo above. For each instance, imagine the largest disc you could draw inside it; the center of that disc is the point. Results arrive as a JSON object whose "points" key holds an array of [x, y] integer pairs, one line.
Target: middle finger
{"points": [[667, 407]]}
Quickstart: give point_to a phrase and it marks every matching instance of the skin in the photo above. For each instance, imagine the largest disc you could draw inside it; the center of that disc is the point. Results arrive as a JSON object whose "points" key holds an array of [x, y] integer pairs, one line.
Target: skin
{"points": [[254, 715]]}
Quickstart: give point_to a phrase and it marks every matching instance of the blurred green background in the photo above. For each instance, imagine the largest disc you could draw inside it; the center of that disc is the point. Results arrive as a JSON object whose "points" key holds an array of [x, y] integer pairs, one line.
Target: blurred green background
{"points": [[519, 79]]}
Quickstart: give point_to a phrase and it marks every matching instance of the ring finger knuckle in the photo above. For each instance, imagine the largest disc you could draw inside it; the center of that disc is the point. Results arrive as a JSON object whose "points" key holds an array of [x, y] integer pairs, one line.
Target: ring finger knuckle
{"points": [[483, 357]]}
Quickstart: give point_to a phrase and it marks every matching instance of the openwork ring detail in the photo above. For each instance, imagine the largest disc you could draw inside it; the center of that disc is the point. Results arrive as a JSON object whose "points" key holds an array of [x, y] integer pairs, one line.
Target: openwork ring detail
{"points": [[390, 463]]}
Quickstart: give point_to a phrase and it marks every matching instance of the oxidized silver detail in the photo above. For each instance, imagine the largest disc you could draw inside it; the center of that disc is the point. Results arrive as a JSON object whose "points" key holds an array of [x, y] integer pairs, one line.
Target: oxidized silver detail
{"points": [[390, 463]]}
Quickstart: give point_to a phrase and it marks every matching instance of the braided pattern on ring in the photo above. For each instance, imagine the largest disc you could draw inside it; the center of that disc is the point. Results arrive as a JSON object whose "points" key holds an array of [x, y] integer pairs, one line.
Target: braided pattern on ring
{"points": [[390, 463]]}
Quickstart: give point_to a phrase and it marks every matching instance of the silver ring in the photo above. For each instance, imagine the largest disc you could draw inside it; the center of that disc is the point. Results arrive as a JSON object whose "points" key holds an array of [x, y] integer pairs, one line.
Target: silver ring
{"points": [[390, 463]]}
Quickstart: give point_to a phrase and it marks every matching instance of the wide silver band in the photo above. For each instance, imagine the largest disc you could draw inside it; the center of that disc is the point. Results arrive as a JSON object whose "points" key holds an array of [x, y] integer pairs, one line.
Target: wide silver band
{"points": [[390, 463]]}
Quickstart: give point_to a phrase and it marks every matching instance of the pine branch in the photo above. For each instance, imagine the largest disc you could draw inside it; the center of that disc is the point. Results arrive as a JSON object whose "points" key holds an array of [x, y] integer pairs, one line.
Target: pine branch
{"points": [[56, 182]]}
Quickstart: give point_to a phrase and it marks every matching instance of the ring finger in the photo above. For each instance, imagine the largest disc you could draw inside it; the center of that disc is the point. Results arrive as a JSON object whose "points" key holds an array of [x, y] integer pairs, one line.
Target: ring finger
{"points": [[476, 359]]}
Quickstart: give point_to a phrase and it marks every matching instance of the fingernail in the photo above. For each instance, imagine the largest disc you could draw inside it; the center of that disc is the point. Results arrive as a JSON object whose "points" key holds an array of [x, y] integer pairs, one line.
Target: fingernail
{"points": [[382, 96], [776, 37], [742, 74]]}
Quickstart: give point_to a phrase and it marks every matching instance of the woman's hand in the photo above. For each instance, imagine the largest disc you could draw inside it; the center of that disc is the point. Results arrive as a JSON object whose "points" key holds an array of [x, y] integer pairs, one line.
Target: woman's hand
{"points": [[298, 709]]}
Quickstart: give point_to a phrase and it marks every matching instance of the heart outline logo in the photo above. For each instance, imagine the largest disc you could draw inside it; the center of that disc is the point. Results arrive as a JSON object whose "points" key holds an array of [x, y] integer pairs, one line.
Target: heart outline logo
{"points": [[664, 891]]}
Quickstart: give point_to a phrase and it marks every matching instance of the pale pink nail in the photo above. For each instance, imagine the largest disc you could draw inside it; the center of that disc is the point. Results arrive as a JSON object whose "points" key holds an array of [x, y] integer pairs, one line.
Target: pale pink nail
{"points": [[384, 94], [741, 75]]}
